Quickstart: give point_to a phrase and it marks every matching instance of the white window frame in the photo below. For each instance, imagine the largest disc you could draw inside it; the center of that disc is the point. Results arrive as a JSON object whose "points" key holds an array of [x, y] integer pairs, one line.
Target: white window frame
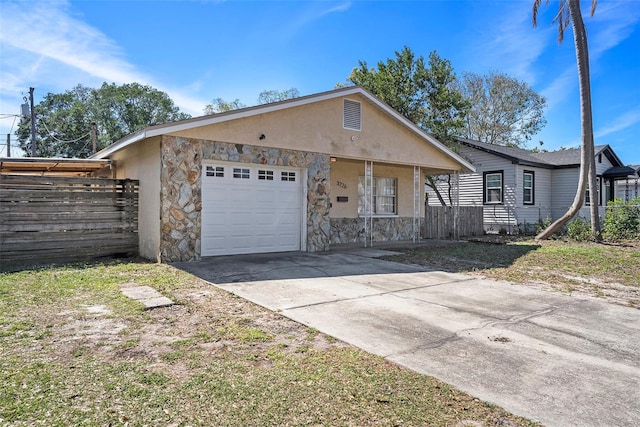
{"points": [[587, 196], [532, 199], [486, 188], [380, 201]]}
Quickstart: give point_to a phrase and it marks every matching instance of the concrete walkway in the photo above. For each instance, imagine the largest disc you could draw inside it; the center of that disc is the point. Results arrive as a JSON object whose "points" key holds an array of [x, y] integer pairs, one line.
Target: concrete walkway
{"points": [[553, 358]]}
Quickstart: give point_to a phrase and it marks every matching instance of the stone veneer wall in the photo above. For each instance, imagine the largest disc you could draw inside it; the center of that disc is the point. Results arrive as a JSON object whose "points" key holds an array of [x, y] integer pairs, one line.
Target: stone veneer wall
{"points": [[181, 195], [351, 230]]}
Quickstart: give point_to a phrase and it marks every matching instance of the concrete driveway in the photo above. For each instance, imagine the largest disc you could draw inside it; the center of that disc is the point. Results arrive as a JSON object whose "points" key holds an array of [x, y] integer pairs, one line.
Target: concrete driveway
{"points": [[553, 358]]}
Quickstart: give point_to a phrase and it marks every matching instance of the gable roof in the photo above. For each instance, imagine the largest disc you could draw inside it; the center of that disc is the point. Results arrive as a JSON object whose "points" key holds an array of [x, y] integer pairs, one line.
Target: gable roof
{"points": [[558, 159], [277, 106]]}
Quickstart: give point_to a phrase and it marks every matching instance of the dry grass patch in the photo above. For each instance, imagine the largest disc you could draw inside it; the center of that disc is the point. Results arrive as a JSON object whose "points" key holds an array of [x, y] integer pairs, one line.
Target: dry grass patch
{"points": [[76, 352], [610, 271]]}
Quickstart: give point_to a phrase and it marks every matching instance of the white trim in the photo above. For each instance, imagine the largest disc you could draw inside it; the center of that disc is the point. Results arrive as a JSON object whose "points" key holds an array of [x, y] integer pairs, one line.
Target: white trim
{"points": [[304, 232], [268, 108]]}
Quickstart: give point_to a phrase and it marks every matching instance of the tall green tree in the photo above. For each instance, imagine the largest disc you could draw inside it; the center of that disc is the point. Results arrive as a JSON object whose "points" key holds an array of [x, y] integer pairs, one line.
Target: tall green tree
{"points": [[504, 110], [219, 105], [269, 96], [64, 120], [569, 12], [425, 93]]}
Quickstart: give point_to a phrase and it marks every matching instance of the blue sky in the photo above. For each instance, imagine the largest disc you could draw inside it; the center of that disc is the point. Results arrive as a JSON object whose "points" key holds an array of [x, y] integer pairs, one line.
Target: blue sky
{"points": [[200, 50]]}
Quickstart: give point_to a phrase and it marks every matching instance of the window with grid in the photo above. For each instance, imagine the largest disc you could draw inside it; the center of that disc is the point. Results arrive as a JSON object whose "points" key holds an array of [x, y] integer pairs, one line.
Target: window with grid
{"points": [[215, 171], [288, 176], [493, 187], [265, 175], [527, 187], [241, 173], [384, 196]]}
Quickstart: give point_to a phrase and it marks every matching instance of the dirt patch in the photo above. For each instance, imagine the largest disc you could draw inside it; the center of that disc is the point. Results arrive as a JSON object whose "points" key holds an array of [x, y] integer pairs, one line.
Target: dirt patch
{"points": [[205, 322]]}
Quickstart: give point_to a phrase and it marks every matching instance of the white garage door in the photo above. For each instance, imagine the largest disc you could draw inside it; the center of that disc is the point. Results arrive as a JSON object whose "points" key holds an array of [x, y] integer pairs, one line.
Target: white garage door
{"points": [[250, 209]]}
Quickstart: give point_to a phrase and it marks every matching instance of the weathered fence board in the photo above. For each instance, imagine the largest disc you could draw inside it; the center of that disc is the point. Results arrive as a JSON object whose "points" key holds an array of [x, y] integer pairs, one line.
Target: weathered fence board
{"points": [[441, 222], [46, 220]]}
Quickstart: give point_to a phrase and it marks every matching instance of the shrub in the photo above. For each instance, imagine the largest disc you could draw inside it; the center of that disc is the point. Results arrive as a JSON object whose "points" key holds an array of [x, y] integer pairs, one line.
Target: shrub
{"points": [[622, 220], [579, 229], [542, 225]]}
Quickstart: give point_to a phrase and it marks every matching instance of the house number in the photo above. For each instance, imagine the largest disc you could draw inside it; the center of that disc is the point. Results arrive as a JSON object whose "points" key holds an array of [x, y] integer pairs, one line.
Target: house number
{"points": [[341, 184]]}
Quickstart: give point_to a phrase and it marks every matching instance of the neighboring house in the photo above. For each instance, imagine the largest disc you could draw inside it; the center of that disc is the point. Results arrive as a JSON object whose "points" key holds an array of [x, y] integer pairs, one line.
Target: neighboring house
{"points": [[302, 174], [629, 188], [519, 188]]}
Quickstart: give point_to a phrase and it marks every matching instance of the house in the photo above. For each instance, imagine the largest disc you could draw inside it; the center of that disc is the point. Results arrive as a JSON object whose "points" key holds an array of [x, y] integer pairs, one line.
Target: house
{"points": [[519, 188], [302, 174], [629, 188]]}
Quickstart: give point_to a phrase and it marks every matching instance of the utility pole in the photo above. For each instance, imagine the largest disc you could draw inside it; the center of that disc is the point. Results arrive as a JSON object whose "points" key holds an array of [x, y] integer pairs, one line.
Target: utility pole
{"points": [[33, 123], [8, 145], [93, 136]]}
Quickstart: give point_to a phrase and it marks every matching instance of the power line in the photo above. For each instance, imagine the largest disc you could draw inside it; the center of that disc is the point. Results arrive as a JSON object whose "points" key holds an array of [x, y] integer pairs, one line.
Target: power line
{"points": [[59, 140]]}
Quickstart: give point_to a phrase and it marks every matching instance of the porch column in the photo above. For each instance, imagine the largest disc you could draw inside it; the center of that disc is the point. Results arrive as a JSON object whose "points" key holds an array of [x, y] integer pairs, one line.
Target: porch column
{"points": [[368, 202], [416, 202]]}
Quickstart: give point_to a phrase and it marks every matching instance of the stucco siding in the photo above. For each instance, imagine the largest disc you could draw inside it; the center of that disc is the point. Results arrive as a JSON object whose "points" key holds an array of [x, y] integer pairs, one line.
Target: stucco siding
{"points": [[344, 183], [318, 127], [142, 162]]}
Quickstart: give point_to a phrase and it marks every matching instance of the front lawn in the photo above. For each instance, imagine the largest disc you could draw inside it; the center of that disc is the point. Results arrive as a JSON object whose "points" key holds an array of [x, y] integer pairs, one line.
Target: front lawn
{"points": [[75, 351]]}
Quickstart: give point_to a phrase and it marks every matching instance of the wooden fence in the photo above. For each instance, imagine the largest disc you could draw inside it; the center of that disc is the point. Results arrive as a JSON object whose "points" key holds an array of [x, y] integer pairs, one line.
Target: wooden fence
{"points": [[46, 220], [440, 222]]}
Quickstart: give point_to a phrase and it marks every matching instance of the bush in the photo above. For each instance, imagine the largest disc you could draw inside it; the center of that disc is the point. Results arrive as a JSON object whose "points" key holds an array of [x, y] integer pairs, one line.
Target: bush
{"points": [[579, 229], [622, 220], [542, 225]]}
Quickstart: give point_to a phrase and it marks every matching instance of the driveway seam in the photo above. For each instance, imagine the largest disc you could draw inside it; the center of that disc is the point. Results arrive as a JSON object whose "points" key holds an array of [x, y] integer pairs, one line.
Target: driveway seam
{"points": [[313, 304]]}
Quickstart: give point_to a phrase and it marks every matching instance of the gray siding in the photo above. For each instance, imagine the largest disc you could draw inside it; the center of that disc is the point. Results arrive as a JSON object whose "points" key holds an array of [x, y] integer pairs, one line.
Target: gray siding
{"points": [[554, 191], [564, 183], [528, 216]]}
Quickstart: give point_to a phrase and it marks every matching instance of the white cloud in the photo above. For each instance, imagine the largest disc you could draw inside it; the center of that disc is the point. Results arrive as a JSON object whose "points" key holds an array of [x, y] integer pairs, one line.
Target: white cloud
{"points": [[311, 14], [512, 45], [619, 123], [44, 45], [607, 29]]}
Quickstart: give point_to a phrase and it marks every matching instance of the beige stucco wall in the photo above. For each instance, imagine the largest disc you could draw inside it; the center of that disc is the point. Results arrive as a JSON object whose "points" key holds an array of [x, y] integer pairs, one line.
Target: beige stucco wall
{"points": [[318, 127], [141, 161], [344, 182]]}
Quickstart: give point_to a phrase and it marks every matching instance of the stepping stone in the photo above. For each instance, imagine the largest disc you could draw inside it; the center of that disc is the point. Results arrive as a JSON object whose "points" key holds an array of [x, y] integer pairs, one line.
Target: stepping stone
{"points": [[148, 296]]}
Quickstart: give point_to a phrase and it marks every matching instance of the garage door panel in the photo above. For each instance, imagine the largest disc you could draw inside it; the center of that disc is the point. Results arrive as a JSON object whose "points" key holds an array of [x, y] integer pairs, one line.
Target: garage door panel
{"points": [[251, 215]]}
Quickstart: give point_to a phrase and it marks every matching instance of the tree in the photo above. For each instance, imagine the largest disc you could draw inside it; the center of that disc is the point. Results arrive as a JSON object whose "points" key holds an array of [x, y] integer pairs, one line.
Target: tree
{"points": [[569, 12], [219, 105], [64, 120], [504, 110], [425, 95], [269, 96]]}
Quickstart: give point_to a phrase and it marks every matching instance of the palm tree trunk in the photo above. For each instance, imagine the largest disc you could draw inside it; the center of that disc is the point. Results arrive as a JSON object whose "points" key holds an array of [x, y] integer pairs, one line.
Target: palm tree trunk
{"points": [[586, 148]]}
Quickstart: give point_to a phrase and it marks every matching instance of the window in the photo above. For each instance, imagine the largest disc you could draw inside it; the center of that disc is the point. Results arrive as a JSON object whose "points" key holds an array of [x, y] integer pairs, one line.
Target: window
{"points": [[352, 118], [287, 176], [493, 187], [587, 199], [216, 171], [384, 196], [265, 175], [241, 173], [528, 179]]}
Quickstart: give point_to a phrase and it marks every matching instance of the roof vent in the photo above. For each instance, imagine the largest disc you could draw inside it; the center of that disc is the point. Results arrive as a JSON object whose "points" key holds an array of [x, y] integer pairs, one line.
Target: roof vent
{"points": [[352, 115]]}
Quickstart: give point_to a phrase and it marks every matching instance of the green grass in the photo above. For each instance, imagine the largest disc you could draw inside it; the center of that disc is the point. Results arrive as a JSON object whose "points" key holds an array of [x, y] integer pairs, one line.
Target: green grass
{"points": [[598, 269], [214, 360]]}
